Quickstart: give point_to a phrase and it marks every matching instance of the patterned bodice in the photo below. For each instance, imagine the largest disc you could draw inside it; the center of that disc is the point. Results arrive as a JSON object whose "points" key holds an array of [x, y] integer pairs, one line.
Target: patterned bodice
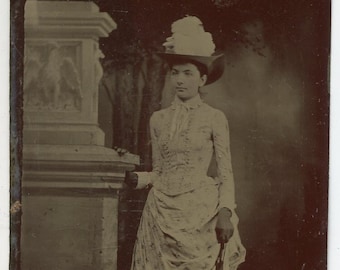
{"points": [[183, 142]]}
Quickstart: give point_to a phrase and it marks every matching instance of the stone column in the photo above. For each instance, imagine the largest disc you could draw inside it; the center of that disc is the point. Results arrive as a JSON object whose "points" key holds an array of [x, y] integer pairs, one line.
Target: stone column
{"points": [[70, 180]]}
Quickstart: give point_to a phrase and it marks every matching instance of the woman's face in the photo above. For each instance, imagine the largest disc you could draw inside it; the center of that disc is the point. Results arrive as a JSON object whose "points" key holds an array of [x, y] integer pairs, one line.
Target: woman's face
{"points": [[186, 80]]}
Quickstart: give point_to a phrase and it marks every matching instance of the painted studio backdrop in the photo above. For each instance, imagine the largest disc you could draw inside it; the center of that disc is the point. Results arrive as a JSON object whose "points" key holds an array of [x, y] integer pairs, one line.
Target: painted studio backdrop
{"points": [[106, 82]]}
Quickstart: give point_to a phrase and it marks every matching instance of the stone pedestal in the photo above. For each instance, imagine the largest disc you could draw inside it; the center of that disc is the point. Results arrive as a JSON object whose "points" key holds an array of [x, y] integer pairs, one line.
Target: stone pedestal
{"points": [[62, 70], [70, 180]]}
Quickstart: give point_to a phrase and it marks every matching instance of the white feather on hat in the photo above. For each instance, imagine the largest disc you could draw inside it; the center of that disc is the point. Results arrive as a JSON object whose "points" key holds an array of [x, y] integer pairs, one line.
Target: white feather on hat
{"points": [[189, 38]]}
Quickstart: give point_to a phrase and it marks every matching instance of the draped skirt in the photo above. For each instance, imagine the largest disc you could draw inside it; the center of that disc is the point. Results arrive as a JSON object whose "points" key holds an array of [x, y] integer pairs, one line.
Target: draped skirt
{"points": [[178, 232]]}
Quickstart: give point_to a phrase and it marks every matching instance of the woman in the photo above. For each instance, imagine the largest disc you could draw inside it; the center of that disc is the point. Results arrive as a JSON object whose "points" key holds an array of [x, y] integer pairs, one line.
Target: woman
{"points": [[187, 213]]}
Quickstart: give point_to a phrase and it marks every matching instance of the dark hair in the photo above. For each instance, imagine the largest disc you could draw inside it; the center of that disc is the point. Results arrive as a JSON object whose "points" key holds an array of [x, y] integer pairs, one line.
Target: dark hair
{"points": [[203, 70]]}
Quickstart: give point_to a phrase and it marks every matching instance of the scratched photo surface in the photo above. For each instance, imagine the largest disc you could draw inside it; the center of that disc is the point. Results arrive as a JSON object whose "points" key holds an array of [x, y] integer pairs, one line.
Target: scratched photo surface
{"points": [[85, 80]]}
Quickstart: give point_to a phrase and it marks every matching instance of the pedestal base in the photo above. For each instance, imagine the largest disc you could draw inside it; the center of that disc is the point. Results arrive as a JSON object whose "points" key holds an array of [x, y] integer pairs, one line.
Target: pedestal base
{"points": [[70, 206], [69, 231]]}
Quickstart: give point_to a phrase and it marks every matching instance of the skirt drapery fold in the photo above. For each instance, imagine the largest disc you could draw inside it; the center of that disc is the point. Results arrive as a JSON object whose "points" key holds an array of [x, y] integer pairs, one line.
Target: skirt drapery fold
{"points": [[178, 232]]}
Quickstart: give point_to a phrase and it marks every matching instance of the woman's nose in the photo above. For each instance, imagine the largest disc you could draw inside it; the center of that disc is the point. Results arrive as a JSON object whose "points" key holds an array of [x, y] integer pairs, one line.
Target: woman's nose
{"points": [[179, 80]]}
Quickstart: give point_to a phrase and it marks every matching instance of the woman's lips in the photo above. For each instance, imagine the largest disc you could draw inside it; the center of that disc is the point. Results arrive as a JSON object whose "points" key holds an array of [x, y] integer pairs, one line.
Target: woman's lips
{"points": [[180, 89]]}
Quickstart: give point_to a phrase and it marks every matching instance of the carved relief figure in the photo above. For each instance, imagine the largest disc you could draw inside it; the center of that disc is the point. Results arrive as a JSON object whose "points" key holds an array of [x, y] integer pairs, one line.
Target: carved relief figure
{"points": [[98, 69], [51, 79]]}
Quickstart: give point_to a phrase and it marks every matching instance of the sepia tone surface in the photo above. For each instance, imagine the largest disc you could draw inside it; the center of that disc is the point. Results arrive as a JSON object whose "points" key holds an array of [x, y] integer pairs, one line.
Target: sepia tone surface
{"points": [[274, 93]]}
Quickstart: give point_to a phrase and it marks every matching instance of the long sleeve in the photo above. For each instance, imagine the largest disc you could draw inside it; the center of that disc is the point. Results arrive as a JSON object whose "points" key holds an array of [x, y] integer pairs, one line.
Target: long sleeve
{"points": [[147, 178], [156, 155], [223, 158]]}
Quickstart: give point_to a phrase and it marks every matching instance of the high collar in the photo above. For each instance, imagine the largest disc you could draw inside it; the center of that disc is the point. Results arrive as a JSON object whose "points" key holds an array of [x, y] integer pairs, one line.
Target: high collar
{"points": [[192, 103]]}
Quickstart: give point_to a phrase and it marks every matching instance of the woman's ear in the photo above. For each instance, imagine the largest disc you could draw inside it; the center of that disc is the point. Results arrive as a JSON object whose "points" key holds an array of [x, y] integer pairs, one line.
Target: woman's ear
{"points": [[203, 80]]}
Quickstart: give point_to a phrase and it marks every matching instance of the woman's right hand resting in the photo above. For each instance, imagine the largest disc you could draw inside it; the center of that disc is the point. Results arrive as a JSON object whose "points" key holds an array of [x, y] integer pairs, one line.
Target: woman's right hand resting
{"points": [[131, 179]]}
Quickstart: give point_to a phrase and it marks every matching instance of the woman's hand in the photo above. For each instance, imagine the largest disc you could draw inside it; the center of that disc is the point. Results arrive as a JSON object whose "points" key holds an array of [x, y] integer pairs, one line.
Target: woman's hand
{"points": [[131, 179], [224, 228]]}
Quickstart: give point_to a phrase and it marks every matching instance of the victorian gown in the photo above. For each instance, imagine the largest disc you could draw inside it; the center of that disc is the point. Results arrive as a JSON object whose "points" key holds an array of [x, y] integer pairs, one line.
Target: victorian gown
{"points": [[177, 228]]}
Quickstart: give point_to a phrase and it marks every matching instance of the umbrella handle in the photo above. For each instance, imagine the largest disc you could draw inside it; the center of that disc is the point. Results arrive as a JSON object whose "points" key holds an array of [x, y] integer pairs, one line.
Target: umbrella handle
{"points": [[220, 257]]}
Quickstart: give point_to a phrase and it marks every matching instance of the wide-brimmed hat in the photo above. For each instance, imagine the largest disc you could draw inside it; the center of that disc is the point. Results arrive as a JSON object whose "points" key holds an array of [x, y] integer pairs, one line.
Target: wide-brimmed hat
{"points": [[189, 42], [214, 64]]}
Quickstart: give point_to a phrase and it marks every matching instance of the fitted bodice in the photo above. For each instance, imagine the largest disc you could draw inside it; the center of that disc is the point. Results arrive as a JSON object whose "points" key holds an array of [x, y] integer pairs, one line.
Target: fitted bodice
{"points": [[190, 150], [181, 158]]}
